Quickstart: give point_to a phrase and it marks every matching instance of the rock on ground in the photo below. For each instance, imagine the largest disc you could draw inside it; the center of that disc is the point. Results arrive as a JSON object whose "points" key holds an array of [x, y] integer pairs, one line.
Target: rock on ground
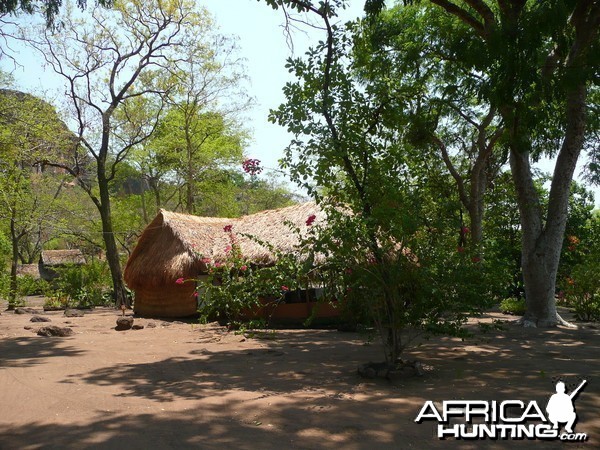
{"points": [[53, 330], [39, 319], [124, 323]]}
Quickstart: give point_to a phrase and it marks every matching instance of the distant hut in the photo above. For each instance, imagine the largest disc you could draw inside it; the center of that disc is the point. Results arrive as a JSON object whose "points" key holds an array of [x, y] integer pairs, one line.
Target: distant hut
{"points": [[173, 246], [29, 270], [52, 259]]}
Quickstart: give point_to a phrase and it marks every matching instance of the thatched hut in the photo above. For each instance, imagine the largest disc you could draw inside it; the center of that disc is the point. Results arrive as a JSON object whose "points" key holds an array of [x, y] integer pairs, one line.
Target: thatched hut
{"points": [[29, 270], [52, 259], [173, 246]]}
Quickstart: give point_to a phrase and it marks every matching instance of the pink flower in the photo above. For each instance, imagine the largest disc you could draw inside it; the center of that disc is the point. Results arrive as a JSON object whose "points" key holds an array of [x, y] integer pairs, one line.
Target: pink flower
{"points": [[285, 288], [348, 271], [476, 259], [460, 249], [228, 249], [218, 264], [179, 281], [244, 268], [310, 220], [252, 166], [205, 261], [196, 294], [227, 228], [465, 230]]}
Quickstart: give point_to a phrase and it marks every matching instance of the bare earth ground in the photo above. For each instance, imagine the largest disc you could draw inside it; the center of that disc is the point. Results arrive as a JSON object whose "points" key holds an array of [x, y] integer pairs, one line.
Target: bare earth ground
{"points": [[180, 385]]}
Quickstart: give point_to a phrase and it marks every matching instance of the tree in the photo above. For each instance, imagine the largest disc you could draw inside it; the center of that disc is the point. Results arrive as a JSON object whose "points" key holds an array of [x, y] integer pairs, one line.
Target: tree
{"points": [[562, 38], [49, 8], [539, 60], [443, 99], [110, 62], [29, 127], [192, 147], [349, 151]]}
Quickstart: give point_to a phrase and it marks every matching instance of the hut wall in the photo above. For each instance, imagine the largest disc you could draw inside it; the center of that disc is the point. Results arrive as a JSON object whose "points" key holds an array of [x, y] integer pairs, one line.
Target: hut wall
{"points": [[170, 301]]}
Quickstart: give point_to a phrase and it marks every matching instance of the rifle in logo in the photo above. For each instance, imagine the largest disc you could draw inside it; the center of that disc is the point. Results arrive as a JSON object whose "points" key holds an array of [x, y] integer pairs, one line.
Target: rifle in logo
{"points": [[560, 407]]}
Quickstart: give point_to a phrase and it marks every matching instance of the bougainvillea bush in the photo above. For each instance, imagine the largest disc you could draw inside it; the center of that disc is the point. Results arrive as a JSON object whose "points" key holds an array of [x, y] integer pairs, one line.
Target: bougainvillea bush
{"points": [[235, 286]]}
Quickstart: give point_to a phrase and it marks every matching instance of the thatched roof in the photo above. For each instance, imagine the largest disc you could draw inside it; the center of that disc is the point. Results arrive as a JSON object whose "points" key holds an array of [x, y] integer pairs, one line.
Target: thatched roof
{"points": [[61, 257], [173, 245], [32, 270]]}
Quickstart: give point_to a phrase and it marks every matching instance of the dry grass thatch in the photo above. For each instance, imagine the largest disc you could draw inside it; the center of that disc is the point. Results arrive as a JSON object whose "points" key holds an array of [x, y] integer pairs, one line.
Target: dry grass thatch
{"points": [[32, 270], [51, 258], [173, 245]]}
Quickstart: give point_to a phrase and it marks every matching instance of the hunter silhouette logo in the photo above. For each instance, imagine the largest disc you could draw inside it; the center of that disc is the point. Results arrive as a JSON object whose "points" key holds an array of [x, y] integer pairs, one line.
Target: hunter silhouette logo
{"points": [[560, 407], [509, 419]]}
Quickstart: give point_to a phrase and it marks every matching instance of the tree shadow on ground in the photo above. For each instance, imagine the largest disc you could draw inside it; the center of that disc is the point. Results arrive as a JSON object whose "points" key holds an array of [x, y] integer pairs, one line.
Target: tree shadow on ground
{"points": [[297, 390], [317, 400], [31, 351]]}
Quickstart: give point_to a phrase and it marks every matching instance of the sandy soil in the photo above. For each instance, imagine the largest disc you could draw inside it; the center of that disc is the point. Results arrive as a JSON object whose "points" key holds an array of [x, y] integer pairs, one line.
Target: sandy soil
{"points": [[180, 385]]}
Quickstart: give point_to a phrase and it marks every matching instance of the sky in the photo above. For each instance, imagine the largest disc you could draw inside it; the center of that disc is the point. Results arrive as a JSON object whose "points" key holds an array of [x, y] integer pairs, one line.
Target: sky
{"points": [[263, 45]]}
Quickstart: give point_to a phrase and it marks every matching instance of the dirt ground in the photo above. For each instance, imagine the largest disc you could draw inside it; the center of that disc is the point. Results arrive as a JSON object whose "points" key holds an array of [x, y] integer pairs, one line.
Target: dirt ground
{"points": [[181, 385]]}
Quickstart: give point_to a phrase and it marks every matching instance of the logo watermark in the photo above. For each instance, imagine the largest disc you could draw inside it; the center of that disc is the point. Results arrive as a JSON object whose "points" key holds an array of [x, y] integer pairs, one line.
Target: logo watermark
{"points": [[509, 419]]}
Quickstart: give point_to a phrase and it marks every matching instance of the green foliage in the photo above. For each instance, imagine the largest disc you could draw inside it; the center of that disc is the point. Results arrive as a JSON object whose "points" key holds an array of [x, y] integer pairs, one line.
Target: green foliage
{"points": [[388, 232], [5, 291], [235, 287], [581, 288], [83, 285], [515, 306], [27, 285], [48, 8], [5, 251]]}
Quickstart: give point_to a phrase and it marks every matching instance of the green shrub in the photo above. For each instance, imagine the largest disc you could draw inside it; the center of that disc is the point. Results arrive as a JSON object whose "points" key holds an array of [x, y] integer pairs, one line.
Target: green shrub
{"points": [[5, 291], [27, 285], [84, 285], [57, 300], [234, 287], [514, 306], [583, 290]]}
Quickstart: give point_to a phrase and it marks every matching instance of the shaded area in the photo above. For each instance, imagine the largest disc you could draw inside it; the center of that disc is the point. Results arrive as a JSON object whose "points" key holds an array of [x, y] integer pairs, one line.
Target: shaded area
{"points": [[32, 351], [186, 387], [302, 361]]}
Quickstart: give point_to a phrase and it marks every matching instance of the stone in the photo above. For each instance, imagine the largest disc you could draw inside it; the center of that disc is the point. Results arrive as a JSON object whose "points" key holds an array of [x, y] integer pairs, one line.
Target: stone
{"points": [[151, 325], [137, 327], [124, 323], [53, 330], [39, 319], [25, 311], [73, 313]]}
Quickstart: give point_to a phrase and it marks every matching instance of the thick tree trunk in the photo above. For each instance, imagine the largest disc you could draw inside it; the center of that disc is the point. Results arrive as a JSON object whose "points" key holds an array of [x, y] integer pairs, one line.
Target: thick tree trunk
{"points": [[476, 207], [542, 241]]}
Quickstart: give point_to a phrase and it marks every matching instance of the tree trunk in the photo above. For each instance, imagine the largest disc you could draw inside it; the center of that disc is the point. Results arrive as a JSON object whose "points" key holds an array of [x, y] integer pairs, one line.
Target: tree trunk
{"points": [[476, 206], [542, 242], [112, 252], [12, 291]]}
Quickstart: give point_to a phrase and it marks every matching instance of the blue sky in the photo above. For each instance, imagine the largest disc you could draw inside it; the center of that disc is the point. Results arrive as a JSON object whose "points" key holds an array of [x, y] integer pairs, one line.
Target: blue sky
{"points": [[263, 45]]}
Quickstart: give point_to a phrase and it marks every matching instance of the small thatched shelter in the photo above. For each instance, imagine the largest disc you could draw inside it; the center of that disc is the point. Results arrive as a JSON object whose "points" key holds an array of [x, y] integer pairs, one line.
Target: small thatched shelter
{"points": [[51, 259], [173, 246], [30, 270]]}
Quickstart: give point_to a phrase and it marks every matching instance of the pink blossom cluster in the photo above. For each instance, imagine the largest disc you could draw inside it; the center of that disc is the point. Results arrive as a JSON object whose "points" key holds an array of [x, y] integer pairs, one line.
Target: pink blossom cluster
{"points": [[252, 166]]}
